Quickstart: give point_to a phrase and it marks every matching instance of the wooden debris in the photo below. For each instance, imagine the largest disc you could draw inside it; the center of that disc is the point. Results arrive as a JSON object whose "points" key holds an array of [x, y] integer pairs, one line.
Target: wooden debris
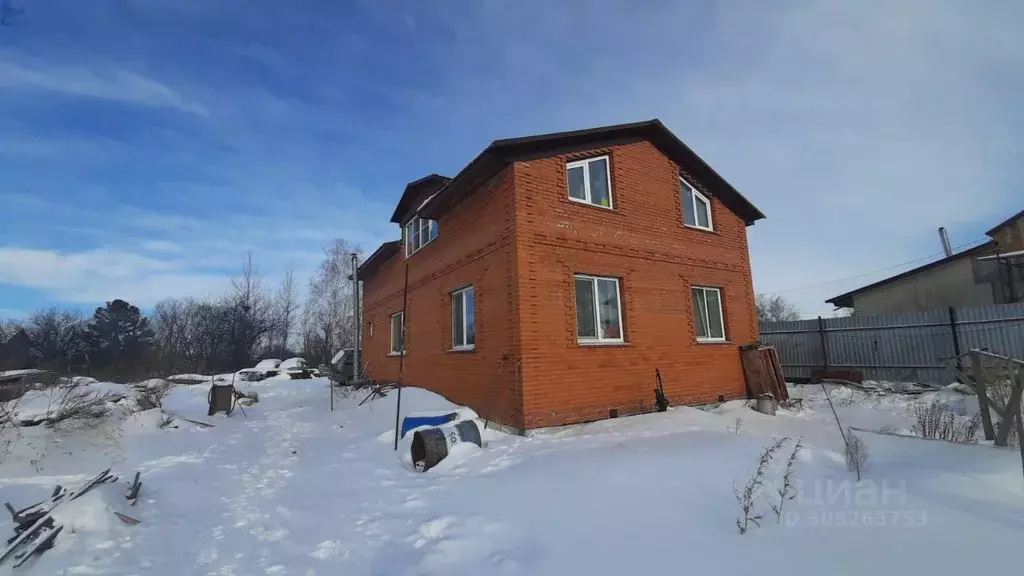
{"points": [[133, 491], [43, 543], [127, 519], [196, 422], [46, 521]]}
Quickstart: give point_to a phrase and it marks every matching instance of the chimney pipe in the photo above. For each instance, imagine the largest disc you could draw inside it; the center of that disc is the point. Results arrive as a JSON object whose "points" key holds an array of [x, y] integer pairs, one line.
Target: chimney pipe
{"points": [[944, 236]]}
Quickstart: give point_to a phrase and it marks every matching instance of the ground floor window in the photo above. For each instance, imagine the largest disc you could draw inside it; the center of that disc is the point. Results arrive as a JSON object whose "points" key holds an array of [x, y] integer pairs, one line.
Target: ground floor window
{"points": [[397, 333], [598, 310], [707, 314], [463, 319]]}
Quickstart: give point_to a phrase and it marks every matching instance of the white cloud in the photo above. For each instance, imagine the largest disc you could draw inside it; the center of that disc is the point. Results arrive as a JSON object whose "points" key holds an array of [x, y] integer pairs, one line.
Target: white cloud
{"points": [[161, 246], [857, 128], [99, 275], [150, 256], [106, 83]]}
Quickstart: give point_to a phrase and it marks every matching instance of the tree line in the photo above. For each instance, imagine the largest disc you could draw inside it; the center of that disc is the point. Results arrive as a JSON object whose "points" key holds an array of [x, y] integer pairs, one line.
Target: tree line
{"points": [[252, 320]]}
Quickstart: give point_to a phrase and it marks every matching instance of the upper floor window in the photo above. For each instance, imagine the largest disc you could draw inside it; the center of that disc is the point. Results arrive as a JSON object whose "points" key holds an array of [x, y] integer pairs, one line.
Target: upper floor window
{"points": [[590, 181], [418, 233], [598, 310], [696, 207], [708, 322], [463, 319]]}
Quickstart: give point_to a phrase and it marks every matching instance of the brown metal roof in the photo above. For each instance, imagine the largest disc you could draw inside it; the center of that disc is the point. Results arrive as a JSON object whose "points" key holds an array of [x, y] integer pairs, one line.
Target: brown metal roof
{"points": [[416, 189], [385, 252], [501, 153], [846, 300]]}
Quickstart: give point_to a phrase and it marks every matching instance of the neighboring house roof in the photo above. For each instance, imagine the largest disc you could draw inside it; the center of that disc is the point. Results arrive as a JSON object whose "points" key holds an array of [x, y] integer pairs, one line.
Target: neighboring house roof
{"points": [[381, 255], [846, 300], [1009, 220], [501, 153], [415, 189]]}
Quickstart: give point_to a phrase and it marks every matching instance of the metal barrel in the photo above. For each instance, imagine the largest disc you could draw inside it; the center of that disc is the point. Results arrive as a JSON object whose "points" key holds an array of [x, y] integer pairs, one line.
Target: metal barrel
{"points": [[430, 446]]}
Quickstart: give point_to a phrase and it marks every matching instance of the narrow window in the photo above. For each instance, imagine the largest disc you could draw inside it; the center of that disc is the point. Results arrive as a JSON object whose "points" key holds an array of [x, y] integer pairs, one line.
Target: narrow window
{"points": [[696, 207], [590, 181], [463, 319], [397, 333], [598, 310], [708, 322]]}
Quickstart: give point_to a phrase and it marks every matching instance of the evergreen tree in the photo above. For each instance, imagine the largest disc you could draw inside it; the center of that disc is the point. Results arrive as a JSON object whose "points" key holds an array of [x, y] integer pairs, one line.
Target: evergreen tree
{"points": [[118, 336]]}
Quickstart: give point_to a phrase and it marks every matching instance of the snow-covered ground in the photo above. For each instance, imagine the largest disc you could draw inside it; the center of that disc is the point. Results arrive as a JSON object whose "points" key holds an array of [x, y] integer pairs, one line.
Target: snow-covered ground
{"points": [[292, 488]]}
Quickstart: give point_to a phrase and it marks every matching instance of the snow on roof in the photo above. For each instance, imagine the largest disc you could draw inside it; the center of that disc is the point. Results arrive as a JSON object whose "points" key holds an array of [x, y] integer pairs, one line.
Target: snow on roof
{"points": [[1003, 255], [189, 377], [293, 363], [19, 372], [424, 203], [268, 364], [339, 357]]}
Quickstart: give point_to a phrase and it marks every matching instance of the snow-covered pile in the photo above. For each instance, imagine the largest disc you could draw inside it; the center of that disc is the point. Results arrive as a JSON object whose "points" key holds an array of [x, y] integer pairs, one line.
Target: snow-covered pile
{"points": [[293, 364], [293, 488]]}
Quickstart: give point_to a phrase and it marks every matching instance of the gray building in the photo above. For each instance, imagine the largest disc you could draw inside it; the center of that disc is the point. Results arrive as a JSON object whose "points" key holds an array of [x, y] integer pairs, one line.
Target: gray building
{"points": [[992, 273]]}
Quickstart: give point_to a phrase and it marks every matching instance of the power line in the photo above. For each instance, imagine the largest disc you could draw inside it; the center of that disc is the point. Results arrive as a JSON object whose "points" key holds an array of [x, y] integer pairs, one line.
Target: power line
{"points": [[836, 281]]}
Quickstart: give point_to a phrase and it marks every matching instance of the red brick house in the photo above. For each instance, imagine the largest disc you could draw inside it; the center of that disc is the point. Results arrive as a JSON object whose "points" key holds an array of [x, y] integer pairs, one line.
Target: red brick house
{"points": [[551, 276]]}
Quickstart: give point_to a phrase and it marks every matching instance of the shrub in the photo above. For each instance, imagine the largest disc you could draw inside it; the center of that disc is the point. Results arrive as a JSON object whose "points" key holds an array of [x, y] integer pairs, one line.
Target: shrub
{"points": [[785, 490], [150, 394], [77, 408], [753, 490], [856, 454], [939, 421]]}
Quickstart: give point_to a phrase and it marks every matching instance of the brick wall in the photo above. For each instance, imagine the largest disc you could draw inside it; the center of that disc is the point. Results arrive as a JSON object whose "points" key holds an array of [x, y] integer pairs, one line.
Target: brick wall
{"points": [[475, 246], [643, 243], [519, 241]]}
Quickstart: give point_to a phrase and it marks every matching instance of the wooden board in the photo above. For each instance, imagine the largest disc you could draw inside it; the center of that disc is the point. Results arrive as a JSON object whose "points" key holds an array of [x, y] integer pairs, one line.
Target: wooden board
{"points": [[763, 371]]}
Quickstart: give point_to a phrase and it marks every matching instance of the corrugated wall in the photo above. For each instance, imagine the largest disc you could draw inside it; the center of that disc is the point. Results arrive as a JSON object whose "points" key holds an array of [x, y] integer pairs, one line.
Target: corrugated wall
{"points": [[896, 347]]}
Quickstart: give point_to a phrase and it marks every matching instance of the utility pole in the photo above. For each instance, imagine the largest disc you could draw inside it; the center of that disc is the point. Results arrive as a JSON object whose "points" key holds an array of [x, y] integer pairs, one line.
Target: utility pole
{"points": [[356, 318]]}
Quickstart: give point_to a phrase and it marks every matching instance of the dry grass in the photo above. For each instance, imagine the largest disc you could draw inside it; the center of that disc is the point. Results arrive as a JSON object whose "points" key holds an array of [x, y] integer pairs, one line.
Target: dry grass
{"points": [[938, 421]]}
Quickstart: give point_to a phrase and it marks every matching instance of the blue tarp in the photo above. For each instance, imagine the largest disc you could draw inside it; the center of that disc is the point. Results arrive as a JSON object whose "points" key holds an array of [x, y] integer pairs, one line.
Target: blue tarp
{"points": [[418, 419]]}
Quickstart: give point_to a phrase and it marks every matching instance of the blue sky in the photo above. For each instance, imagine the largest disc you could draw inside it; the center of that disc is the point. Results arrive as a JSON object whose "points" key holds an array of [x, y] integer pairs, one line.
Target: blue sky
{"points": [[146, 146]]}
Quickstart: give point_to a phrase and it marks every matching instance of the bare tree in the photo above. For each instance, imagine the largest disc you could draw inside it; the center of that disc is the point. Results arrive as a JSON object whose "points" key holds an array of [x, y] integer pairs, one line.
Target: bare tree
{"points": [[327, 316], [774, 308], [57, 338], [286, 304], [252, 320], [8, 328]]}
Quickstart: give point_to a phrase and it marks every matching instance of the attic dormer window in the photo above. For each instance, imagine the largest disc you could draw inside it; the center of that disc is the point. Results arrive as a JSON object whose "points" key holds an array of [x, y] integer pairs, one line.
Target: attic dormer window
{"points": [[418, 233]]}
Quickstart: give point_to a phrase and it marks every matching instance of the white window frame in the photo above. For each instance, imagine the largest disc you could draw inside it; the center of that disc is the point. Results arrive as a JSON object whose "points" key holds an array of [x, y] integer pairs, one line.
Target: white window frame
{"points": [[693, 206], [391, 335], [587, 340], [465, 325], [707, 318], [586, 181], [423, 224]]}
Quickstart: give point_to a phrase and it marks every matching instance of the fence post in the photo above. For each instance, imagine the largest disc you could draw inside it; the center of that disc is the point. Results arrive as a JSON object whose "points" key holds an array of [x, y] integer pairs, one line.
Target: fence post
{"points": [[978, 373], [824, 347], [956, 341]]}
